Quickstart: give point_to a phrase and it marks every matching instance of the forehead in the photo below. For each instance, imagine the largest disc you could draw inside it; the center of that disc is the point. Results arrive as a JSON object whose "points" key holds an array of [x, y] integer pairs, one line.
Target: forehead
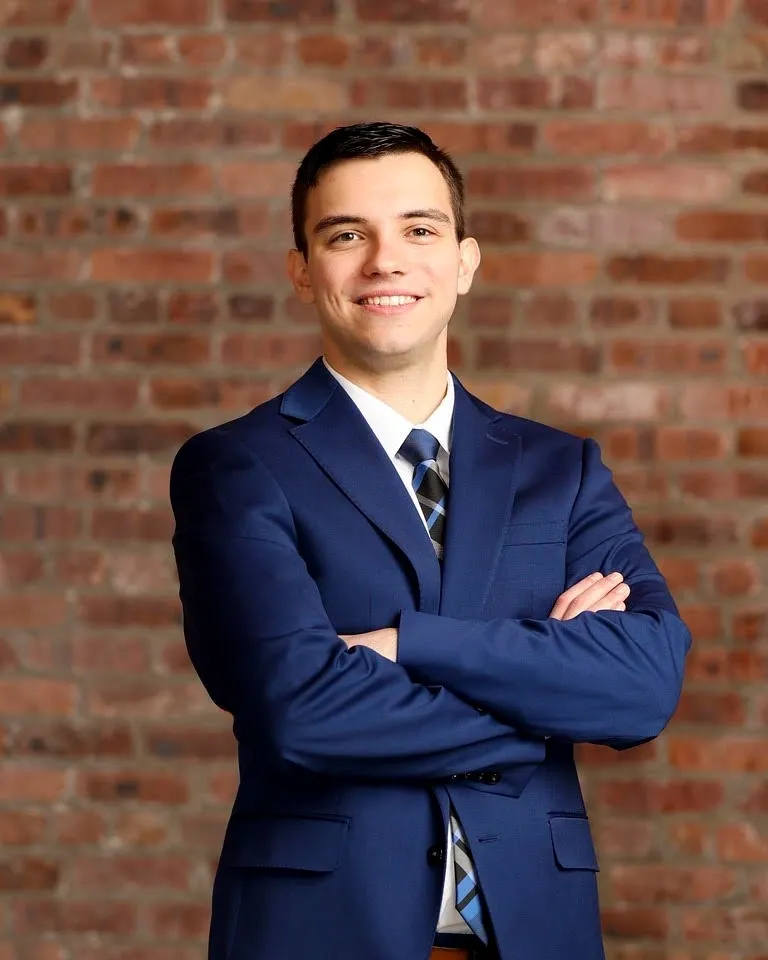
{"points": [[379, 187]]}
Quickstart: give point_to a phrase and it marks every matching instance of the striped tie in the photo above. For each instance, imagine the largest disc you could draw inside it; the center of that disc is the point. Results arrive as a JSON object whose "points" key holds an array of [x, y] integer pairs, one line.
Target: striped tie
{"points": [[420, 450]]}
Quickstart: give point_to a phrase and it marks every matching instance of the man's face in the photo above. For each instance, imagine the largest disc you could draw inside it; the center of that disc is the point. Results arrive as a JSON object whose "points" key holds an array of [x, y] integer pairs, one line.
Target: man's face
{"points": [[384, 265]]}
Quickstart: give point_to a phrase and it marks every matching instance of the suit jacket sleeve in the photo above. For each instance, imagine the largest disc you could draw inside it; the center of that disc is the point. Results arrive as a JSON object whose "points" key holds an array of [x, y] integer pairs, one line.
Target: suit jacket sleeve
{"points": [[259, 637], [612, 677]]}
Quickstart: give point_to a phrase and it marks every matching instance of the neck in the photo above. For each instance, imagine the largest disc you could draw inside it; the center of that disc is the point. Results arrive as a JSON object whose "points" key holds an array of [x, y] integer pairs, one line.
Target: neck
{"points": [[413, 393]]}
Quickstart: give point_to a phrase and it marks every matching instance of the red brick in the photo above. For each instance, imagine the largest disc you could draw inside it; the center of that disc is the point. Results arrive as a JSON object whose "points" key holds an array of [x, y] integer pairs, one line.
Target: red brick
{"points": [[757, 10], [670, 13], [724, 402], [599, 403], [497, 138], [147, 612], [32, 611], [668, 356], [684, 443], [734, 577], [47, 393], [752, 442], [654, 797], [718, 138], [132, 524], [499, 51], [632, 922], [151, 266], [137, 785], [76, 221], [499, 226], [548, 268], [139, 437], [123, 655], [721, 226], [541, 355], [651, 268], [18, 309], [682, 52], [440, 51], [660, 93], [263, 49], [265, 180], [666, 182], [574, 93], [546, 13], [694, 313], [722, 754], [755, 355], [603, 227], [74, 740], [688, 530], [253, 93], [293, 11], [756, 182], [515, 93], [26, 265], [622, 838], [28, 874], [25, 783], [130, 874], [21, 828], [617, 312], [26, 53], [152, 180], [180, 921], [711, 709], [221, 134], [323, 50], [752, 95], [598, 137], [42, 13], [21, 568], [719, 663], [32, 92], [657, 883], [542, 309], [173, 13], [189, 743], [141, 828], [68, 917], [185, 307], [743, 925], [759, 535], [84, 52], [161, 348], [38, 697], [72, 306], [151, 93], [756, 267], [402, 94]]}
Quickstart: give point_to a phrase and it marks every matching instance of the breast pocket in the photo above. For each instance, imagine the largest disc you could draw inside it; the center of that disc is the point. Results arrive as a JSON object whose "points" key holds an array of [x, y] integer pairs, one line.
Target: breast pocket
{"points": [[531, 570]]}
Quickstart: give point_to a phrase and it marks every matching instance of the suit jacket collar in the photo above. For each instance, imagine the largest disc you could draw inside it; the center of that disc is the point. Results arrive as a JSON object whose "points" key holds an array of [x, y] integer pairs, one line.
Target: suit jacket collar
{"points": [[484, 458]]}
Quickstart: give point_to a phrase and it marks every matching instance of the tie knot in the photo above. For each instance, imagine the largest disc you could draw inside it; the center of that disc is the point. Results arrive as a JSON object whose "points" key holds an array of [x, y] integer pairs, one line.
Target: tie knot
{"points": [[419, 446]]}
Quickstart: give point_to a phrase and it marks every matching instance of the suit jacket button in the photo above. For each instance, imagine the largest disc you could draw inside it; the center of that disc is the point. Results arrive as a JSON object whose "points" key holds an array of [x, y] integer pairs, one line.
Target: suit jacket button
{"points": [[492, 778], [436, 855]]}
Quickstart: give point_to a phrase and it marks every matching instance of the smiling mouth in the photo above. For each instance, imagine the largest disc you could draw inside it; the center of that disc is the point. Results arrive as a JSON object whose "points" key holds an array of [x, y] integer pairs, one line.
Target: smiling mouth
{"points": [[399, 301]]}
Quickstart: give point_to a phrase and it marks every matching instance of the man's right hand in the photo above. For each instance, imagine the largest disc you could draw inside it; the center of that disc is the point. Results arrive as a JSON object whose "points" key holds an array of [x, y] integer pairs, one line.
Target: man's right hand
{"points": [[592, 594]]}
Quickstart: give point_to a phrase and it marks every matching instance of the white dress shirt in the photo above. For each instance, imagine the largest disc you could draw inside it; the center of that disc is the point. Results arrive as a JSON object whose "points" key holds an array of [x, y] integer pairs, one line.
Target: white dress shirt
{"points": [[391, 429]]}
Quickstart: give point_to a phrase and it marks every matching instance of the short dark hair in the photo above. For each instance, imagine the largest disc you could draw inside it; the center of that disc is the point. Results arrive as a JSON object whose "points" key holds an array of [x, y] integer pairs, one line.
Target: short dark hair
{"points": [[360, 141]]}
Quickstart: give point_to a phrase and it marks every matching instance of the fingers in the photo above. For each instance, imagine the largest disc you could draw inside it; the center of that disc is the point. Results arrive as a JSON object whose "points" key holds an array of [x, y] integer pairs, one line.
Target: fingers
{"points": [[593, 594]]}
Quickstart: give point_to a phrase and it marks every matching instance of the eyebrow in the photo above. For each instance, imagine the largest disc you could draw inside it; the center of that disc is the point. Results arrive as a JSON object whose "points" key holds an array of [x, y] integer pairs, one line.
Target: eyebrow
{"points": [[339, 219]]}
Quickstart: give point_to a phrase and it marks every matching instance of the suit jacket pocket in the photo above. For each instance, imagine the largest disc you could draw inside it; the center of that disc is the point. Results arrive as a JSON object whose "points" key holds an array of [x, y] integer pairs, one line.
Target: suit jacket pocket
{"points": [[309, 843], [572, 843]]}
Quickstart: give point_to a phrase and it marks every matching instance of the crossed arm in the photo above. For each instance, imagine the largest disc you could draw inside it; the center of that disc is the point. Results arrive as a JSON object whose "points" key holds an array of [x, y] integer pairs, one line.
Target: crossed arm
{"points": [[590, 595]]}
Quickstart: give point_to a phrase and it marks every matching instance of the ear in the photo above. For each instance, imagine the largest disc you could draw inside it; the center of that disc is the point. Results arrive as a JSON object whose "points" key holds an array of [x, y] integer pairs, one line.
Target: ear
{"points": [[299, 274], [469, 261]]}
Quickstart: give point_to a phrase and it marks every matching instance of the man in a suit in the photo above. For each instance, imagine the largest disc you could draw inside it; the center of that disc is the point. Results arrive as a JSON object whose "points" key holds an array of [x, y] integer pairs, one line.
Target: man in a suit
{"points": [[413, 606]]}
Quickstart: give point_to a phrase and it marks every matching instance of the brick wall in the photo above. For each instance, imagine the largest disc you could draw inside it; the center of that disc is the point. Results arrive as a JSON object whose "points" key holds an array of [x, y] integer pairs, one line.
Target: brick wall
{"points": [[615, 152]]}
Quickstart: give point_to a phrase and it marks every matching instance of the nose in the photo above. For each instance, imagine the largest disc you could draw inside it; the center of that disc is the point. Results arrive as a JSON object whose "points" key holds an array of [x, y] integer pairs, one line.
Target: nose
{"points": [[384, 259]]}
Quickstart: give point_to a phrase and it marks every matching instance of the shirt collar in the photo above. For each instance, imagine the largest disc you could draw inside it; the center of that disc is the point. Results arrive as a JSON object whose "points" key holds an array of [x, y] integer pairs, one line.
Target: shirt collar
{"points": [[390, 427]]}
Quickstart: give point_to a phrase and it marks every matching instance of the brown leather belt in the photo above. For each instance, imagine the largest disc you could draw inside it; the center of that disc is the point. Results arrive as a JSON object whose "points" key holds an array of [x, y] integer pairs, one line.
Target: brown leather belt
{"points": [[450, 953]]}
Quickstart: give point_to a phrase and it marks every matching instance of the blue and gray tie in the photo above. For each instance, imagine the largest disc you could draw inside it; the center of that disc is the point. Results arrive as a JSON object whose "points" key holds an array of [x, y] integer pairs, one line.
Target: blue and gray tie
{"points": [[420, 450]]}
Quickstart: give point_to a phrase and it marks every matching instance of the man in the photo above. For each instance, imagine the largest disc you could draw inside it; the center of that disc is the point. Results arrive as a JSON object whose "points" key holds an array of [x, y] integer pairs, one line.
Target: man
{"points": [[413, 606]]}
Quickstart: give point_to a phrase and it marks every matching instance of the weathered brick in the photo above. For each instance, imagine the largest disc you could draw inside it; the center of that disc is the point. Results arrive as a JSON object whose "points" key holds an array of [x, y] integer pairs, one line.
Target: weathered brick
{"points": [[653, 268], [253, 93], [665, 183], [152, 180], [548, 268], [546, 13], [70, 917], [151, 266], [151, 93], [33, 92], [171, 13], [660, 93], [139, 785], [598, 137], [293, 11]]}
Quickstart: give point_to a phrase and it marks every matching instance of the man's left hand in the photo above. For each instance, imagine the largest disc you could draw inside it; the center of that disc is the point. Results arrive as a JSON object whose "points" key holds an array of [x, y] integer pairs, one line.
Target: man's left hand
{"points": [[383, 642]]}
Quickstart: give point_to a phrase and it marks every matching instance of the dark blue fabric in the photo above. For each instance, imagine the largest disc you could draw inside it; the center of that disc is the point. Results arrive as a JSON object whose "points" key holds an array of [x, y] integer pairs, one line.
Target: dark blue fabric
{"points": [[292, 527]]}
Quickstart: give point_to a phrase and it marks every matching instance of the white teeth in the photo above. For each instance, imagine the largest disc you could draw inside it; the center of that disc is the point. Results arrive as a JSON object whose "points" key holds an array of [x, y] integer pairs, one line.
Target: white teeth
{"points": [[389, 301]]}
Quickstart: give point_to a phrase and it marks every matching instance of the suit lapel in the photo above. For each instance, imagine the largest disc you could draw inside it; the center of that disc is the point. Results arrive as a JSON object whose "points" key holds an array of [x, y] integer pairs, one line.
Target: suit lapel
{"points": [[484, 464], [335, 434]]}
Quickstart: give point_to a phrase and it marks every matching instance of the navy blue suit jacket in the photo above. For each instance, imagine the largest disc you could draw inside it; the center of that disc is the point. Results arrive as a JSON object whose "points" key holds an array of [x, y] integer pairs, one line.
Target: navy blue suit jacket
{"points": [[292, 527]]}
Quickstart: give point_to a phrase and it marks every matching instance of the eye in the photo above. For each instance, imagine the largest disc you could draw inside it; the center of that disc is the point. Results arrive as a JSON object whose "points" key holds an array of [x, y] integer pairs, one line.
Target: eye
{"points": [[346, 236], [422, 232]]}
